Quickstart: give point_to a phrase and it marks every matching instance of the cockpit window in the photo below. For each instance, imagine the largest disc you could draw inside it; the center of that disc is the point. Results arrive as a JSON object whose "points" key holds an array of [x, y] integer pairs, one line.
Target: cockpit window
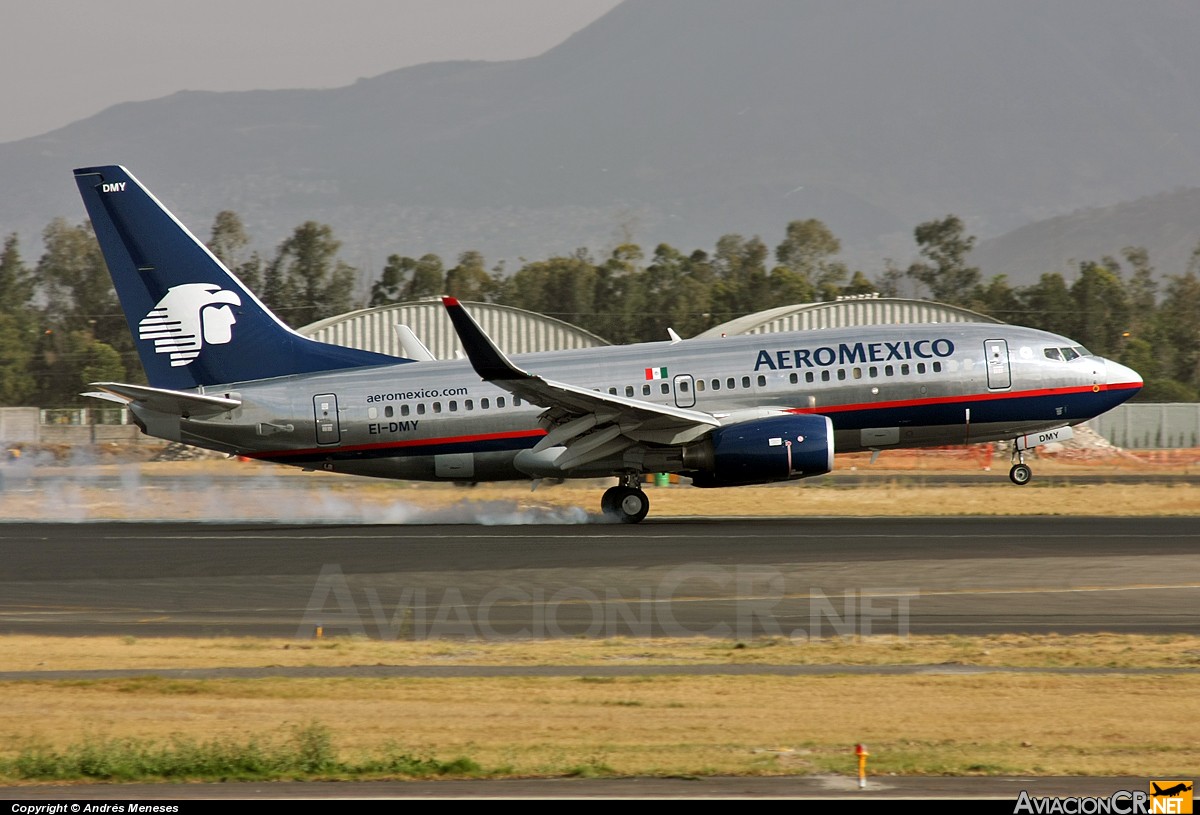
{"points": [[1083, 352], [1051, 353], [1070, 354]]}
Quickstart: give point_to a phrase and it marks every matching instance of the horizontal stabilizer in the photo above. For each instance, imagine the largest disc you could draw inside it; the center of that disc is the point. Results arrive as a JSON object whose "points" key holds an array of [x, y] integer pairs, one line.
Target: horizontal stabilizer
{"points": [[174, 403]]}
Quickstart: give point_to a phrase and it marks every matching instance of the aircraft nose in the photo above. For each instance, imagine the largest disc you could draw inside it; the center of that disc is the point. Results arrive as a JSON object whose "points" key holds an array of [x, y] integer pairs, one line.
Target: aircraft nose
{"points": [[1119, 375]]}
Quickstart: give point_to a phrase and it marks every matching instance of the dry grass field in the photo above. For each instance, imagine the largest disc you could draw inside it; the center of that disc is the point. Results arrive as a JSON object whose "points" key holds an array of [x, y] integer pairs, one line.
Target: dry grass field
{"points": [[939, 721]]}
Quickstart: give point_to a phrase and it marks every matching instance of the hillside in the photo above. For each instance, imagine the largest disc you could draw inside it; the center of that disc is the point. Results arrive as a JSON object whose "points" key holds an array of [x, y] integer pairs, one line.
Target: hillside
{"points": [[678, 121], [1168, 224]]}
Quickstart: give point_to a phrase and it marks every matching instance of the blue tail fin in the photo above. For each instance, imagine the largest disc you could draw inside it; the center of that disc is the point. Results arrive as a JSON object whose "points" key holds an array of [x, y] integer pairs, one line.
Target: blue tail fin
{"points": [[192, 321]]}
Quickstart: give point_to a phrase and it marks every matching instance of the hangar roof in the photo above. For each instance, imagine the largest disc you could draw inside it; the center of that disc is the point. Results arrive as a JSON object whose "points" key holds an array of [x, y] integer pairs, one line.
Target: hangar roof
{"points": [[846, 312], [515, 330], [518, 331]]}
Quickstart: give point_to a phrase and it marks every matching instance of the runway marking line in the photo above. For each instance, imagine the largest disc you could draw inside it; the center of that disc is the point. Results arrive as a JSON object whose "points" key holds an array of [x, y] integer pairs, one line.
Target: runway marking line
{"points": [[689, 536], [917, 594]]}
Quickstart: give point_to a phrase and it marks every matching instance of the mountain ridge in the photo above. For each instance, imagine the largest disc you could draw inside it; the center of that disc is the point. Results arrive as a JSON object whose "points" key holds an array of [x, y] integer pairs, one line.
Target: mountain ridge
{"points": [[678, 121]]}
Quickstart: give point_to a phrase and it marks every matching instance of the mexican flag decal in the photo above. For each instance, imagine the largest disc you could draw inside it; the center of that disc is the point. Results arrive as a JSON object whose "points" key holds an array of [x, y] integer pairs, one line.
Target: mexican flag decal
{"points": [[656, 373]]}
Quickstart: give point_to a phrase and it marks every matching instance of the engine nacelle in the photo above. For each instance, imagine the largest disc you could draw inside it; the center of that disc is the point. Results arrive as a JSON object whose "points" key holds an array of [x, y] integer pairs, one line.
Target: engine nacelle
{"points": [[775, 448]]}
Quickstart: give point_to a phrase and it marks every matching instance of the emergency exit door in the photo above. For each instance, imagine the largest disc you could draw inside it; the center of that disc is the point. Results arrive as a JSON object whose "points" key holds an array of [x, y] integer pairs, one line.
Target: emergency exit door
{"points": [[326, 411]]}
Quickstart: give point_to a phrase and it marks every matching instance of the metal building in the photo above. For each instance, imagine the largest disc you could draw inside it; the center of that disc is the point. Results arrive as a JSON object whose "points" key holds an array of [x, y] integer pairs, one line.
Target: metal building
{"points": [[847, 312], [515, 330], [518, 331], [1150, 425]]}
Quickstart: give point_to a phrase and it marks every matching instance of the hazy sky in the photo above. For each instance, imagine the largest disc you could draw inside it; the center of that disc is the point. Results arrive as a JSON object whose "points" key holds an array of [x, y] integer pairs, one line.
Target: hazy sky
{"points": [[63, 60]]}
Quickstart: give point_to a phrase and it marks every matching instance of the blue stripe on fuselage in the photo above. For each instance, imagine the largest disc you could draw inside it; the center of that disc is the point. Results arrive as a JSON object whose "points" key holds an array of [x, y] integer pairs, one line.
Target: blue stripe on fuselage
{"points": [[1000, 409]]}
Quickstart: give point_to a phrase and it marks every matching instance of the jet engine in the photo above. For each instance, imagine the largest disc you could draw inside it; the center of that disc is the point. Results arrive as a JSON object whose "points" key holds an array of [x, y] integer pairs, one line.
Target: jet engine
{"points": [[758, 451]]}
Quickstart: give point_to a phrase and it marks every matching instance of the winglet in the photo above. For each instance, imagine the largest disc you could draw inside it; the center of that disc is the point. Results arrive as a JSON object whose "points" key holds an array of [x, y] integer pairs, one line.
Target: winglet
{"points": [[487, 360], [411, 345]]}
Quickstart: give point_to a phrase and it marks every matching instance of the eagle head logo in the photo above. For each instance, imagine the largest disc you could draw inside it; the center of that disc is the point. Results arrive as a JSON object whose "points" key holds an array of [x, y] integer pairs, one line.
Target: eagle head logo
{"points": [[187, 318]]}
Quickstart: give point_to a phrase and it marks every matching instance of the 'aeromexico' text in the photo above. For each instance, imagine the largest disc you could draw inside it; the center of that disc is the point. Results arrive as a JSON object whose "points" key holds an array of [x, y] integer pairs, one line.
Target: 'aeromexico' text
{"points": [[846, 353]]}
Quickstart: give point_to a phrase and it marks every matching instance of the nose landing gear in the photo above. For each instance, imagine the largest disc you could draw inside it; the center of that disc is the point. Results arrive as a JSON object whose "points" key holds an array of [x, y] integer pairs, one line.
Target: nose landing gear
{"points": [[1020, 474]]}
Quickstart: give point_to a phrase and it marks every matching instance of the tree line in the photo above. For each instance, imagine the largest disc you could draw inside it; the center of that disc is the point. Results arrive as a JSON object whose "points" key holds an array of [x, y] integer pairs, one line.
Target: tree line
{"points": [[61, 326]]}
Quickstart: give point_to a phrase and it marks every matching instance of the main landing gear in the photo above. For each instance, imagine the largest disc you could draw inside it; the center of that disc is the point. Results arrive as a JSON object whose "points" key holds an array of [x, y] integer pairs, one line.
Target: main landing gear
{"points": [[1020, 472], [625, 502]]}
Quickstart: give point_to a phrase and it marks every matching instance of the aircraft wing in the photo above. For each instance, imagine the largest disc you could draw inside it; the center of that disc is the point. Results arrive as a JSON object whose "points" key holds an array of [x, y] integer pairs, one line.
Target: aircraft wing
{"points": [[174, 403], [572, 411]]}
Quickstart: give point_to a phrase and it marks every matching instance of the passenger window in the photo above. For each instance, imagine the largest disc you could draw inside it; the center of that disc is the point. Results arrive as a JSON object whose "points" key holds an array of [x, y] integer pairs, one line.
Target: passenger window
{"points": [[937, 367], [730, 383], [453, 406], [920, 367], [872, 372], [516, 401], [825, 375], [629, 390], [421, 409], [469, 404], [762, 381], [683, 386], [613, 391], [841, 373], [372, 413], [716, 384], [745, 381], [665, 388], [645, 390], [389, 411], [793, 378], [404, 411], [499, 401], [888, 370], [699, 385], [904, 369], [437, 407], [857, 373], [485, 403]]}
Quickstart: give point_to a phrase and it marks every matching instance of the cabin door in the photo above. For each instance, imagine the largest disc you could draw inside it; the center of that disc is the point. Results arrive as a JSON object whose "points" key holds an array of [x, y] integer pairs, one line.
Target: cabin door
{"points": [[685, 391], [999, 374]]}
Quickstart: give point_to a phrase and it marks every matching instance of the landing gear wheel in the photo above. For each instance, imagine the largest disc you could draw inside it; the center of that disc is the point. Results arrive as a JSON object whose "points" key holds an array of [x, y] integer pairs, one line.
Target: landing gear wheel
{"points": [[1020, 474], [628, 505]]}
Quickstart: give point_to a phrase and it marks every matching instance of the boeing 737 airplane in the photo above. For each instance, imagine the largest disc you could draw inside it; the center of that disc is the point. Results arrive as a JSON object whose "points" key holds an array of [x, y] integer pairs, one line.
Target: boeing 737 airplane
{"points": [[226, 374], [1172, 791]]}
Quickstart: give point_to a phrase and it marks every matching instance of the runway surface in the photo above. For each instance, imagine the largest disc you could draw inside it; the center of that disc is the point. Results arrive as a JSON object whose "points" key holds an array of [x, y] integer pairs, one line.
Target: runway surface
{"points": [[743, 578]]}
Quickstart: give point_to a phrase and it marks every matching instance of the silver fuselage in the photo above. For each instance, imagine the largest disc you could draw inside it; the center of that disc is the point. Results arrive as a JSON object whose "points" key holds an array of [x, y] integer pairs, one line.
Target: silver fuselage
{"points": [[881, 386]]}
